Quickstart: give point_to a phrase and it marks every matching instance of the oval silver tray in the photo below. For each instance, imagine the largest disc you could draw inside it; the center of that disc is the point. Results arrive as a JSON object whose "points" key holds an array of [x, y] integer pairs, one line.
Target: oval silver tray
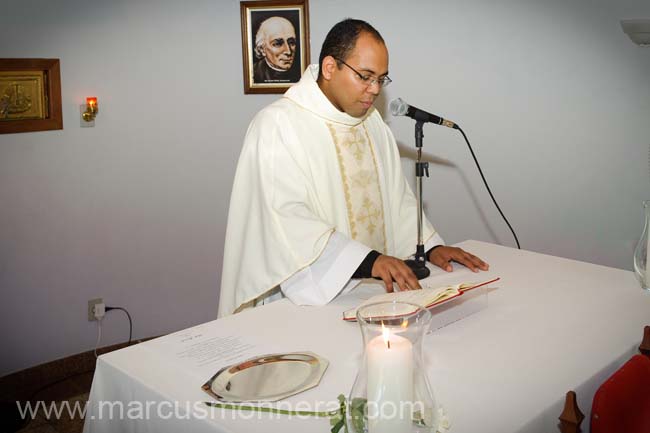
{"points": [[267, 378]]}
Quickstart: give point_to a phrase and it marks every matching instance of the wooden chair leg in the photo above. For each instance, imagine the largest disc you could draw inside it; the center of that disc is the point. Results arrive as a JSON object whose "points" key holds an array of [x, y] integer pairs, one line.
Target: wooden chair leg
{"points": [[571, 417], [644, 348]]}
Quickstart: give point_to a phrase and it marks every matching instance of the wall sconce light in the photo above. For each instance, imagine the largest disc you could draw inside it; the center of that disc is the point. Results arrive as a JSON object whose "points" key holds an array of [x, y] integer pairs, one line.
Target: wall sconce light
{"points": [[91, 110], [638, 31]]}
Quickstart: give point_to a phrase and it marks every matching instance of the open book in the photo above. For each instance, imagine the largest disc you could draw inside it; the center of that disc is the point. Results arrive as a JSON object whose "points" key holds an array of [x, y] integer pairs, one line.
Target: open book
{"points": [[428, 297]]}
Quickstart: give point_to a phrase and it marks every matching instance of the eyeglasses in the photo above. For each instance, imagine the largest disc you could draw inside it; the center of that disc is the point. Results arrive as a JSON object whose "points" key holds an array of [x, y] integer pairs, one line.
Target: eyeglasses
{"points": [[368, 80]]}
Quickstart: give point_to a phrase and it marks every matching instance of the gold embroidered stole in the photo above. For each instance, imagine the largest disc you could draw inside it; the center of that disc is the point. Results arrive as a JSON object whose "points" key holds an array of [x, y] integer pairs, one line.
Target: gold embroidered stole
{"points": [[363, 198]]}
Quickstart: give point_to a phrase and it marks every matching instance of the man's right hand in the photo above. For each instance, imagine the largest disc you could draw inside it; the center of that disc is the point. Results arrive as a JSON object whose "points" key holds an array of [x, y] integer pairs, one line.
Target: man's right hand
{"points": [[392, 269]]}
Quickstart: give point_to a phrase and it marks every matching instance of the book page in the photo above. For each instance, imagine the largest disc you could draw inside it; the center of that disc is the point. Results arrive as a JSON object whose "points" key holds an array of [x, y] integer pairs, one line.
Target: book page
{"points": [[440, 277], [425, 298]]}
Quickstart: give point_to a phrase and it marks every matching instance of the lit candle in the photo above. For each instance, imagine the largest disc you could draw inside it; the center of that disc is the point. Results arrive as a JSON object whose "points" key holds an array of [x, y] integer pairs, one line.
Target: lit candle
{"points": [[390, 382], [91, 102]]}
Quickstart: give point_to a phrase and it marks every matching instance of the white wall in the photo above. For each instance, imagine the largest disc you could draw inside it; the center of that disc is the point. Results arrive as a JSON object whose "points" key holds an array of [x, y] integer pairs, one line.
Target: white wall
{"points": [[554, 97]]}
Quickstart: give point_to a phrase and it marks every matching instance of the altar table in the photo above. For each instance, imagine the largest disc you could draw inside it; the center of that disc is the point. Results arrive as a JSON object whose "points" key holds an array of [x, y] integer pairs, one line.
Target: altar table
{"points": [[551, 325]]}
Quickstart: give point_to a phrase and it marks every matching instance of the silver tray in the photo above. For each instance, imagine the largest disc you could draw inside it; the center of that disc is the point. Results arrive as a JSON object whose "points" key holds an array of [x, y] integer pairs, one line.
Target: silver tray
{"points": [[267, 378]]}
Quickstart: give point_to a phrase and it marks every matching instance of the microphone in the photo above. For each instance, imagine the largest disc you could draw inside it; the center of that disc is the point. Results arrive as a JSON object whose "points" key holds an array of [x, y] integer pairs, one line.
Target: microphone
{"points": [[401, 108]]}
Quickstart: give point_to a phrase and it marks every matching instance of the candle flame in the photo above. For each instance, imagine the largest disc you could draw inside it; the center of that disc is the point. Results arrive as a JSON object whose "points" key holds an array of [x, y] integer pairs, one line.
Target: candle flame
{"points": [[386, 334]]}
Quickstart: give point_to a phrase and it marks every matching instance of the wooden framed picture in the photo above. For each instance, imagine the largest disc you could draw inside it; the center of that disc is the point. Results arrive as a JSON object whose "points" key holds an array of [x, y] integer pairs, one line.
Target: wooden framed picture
{"points": [[30, 95], [275, 44]]}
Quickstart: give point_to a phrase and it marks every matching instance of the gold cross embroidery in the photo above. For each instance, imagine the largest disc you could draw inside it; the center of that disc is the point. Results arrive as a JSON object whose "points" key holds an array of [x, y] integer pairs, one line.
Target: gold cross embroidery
{"points": [[355, 142], [363, 179], [368, 215]]}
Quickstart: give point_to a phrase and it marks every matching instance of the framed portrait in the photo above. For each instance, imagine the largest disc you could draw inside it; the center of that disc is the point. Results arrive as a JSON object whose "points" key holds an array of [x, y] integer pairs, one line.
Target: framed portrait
{"points": [[30, 95], [275, 44]]}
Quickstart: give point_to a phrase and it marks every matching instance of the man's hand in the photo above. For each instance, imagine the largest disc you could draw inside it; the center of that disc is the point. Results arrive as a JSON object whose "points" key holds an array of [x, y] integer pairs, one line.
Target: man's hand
{"points": [[442, 255], [391, 268]]}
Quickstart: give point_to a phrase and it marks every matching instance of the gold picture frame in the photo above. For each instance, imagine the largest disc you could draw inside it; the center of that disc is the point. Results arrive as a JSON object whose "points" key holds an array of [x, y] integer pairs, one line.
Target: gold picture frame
{"points": [[275, 44], [30, 95]]}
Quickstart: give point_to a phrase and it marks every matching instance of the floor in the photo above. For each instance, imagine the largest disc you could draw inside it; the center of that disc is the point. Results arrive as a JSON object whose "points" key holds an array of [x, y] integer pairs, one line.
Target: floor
{"points": [[58, 392], [74, 391]]}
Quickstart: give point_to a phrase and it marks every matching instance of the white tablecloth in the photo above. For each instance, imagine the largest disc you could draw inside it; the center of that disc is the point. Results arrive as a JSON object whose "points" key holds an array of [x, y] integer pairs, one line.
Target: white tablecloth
{"points": [[551, 325]]}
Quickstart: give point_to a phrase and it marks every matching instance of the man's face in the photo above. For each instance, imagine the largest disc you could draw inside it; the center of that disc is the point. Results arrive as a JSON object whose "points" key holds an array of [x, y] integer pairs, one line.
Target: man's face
{"points": [[345, 89], [279, 46]]}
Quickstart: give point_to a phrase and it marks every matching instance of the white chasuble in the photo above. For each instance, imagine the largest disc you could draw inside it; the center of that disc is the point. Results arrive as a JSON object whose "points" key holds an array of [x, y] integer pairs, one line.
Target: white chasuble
{"points": [[315, 188]]}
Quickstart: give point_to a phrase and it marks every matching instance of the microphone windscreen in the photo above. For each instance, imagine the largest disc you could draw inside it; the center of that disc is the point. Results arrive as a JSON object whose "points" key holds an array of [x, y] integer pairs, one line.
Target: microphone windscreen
{"points": [[398, 107]]}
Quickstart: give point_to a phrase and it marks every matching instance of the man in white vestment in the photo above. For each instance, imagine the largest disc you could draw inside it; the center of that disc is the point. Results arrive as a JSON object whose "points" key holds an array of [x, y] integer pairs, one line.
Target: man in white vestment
{"points": [[319, 199]]}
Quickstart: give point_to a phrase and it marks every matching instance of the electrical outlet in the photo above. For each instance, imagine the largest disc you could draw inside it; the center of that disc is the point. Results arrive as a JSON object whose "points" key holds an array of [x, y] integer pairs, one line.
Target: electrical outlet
{"points": [[91, 308]]}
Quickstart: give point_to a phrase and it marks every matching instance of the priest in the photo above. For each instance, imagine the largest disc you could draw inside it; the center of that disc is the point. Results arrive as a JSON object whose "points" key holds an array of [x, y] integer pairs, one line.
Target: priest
{"points": [[319, 199]]}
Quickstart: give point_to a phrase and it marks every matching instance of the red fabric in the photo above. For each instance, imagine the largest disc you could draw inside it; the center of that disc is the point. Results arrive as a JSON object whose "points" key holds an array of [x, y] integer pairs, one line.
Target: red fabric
{"points": [[622, 403]]}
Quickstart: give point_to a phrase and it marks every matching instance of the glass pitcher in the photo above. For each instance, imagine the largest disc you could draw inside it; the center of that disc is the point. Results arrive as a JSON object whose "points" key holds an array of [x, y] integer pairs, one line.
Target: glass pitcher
{"points": [[641, 252]]}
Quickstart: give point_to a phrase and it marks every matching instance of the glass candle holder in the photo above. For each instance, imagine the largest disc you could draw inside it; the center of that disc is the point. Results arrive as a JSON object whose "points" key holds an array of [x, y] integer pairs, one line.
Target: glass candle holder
{"points": [[391, 393], [641, 251]]}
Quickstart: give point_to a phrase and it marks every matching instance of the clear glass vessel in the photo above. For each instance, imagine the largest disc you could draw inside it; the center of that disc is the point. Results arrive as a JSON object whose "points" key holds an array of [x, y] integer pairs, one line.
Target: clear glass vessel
{"points": [[391, 393], [641, 252]]}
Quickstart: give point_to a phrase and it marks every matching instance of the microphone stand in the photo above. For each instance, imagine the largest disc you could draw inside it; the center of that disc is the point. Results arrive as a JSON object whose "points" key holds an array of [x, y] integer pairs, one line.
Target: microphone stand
{"points": [[418, 266]]}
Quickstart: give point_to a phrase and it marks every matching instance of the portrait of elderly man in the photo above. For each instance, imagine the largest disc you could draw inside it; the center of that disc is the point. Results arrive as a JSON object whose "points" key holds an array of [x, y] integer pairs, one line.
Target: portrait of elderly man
{"points": [[276, 52]]}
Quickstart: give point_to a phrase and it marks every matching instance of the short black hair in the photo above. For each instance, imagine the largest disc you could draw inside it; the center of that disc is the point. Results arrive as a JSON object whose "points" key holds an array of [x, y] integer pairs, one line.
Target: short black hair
{"points": [[342, 38]]}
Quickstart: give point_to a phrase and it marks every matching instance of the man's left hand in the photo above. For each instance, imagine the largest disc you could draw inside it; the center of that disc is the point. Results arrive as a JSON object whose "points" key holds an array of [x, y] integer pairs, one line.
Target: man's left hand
{"points": [[442, 256]]}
